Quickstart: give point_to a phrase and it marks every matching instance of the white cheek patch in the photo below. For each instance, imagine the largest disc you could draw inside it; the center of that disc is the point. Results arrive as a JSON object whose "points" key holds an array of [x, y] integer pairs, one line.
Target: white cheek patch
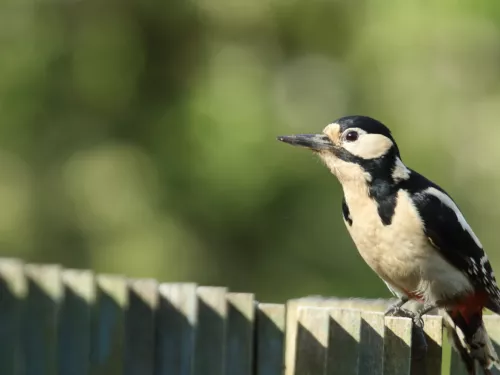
{"points": [[369, 146], [445, 199]]}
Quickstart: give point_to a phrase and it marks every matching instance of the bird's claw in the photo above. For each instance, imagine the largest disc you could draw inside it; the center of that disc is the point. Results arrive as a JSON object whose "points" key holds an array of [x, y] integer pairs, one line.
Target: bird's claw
{"points": [[392, 311], [395, 309], [418, 321], [400, 312]]}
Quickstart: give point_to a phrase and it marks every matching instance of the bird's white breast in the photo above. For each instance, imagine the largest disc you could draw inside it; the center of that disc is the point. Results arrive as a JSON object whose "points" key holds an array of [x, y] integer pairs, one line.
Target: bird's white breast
{"points": [[400, 253]]}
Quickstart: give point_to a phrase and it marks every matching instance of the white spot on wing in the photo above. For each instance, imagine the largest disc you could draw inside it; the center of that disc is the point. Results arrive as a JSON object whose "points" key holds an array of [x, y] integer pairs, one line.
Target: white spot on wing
{"points": [[400, 172], [445, 199]]}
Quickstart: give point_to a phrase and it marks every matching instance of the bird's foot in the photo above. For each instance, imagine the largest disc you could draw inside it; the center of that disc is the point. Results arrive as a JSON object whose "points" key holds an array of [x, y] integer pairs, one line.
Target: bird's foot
{"points": [[400, 313], [417, 320], [420, 342], [396, 308], [419, 346]]}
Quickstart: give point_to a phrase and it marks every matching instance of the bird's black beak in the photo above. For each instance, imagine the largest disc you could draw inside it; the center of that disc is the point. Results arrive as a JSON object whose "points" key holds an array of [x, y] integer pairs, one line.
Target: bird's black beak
{"points": [[315, 142]]}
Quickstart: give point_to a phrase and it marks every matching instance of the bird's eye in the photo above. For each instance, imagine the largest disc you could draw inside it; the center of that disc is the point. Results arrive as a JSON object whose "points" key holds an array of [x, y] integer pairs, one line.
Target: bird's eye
{"points": [[351, 136]]}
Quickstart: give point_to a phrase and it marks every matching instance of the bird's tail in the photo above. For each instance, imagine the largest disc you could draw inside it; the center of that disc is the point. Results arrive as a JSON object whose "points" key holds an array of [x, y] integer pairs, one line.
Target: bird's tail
{"points": [[468, 336]]}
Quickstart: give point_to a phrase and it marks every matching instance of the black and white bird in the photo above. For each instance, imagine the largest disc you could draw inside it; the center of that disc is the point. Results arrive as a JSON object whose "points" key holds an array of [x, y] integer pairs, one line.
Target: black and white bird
{"points": [[410, 232]]}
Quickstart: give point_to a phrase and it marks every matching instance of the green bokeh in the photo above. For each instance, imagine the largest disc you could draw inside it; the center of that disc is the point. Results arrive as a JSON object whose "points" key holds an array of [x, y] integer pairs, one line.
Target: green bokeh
{"points": [[139, 137]]}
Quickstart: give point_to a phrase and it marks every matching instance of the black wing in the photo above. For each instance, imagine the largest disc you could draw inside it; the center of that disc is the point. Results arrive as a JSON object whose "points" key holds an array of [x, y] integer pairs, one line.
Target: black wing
{"points": [[451, 237]]}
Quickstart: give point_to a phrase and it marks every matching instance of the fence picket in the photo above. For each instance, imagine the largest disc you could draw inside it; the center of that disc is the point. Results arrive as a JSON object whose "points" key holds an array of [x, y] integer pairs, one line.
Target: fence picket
{"points": [[457, 367], [431, 363], [239, 333], [343, 344], [492, 324], [140, 327], [75, 322], [270, 339], [371, 352], [175, 329], [397, 346], [211, 332], [40, 314], [13, 290], [312, 341], [108, 336]]}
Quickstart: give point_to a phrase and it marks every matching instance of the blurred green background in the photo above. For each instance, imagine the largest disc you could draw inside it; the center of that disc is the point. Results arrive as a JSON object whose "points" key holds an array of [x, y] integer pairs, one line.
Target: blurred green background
{"points": [[139, 136]]}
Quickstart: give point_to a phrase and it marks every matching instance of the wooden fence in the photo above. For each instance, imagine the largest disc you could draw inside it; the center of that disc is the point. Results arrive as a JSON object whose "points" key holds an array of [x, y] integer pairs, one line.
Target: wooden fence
{"points": [[72, 322]]}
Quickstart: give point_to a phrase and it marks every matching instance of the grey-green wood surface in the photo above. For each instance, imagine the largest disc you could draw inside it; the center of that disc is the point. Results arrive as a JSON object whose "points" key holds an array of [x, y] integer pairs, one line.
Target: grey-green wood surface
{"points": [[108, 336], [40, 314], [343, 342], [70, 322], [211, 331], [457, 367], [311, 350], [371, 352], [292, 306], [270, 343], [175, 329], [75, 322], [431, 362], [240, 334], [397, 346], [492, 324], [140, 327], [13, 290]]}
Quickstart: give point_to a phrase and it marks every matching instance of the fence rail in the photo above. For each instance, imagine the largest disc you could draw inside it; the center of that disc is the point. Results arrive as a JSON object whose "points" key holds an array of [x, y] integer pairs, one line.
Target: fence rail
{"points": [[73, 322]]}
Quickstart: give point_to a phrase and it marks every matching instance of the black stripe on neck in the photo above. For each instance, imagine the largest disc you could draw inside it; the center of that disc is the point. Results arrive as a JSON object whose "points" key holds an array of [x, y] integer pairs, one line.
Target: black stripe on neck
{"points": [[381, 186]]}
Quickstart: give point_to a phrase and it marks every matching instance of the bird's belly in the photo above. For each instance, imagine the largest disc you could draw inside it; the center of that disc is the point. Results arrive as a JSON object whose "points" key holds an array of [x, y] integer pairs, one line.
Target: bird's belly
{"points": [[394, 255], [401, 254]]}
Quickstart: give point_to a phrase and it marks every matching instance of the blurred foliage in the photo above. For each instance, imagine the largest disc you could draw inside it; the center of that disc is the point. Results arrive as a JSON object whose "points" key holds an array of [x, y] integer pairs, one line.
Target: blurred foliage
{"points": [[138, 136]]}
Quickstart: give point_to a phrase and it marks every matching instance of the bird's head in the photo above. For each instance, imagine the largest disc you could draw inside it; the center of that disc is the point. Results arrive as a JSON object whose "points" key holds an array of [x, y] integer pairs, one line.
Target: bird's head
{"points": [[356, 149]]}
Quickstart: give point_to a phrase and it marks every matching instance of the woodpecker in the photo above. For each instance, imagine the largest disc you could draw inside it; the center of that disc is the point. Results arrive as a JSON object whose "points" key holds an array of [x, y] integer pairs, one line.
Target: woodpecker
{"points": [[410, 232]]}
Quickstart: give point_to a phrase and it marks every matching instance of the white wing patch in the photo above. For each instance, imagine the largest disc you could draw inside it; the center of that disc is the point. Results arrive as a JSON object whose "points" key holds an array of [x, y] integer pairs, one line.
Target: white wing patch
{"points": [[400, 171], [445, 199]]}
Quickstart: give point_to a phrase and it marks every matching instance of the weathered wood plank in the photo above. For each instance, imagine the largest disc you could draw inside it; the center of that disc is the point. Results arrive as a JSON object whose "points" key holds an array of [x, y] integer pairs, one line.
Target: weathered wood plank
{"points": [[457, 367], [292, 316], [377, 305], [140, 327], [108, 336], [492, 324], [312, 341], [371, 352], [343, 343], [239, 333], [431, 362], [75, 322], [13, 290], [40, 313], [211, 332], [270, 339], [397, 346], [175, 329]]}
